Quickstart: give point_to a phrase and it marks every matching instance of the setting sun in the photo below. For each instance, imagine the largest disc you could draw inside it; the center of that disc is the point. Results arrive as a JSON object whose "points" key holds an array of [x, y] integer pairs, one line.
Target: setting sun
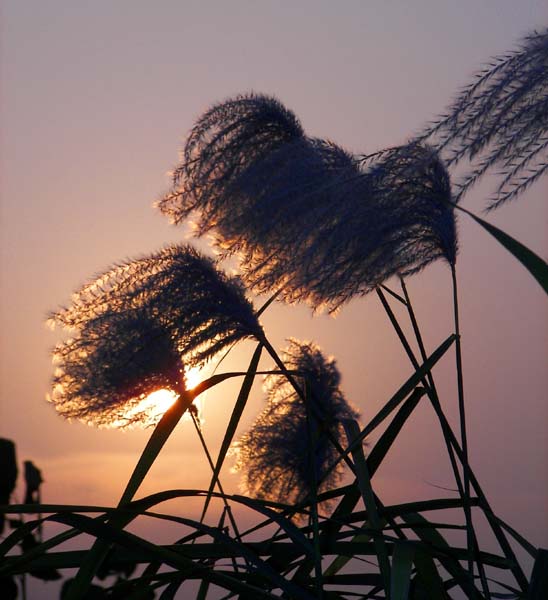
{"points": [[150, 409], [159, 401], [193, 377]]}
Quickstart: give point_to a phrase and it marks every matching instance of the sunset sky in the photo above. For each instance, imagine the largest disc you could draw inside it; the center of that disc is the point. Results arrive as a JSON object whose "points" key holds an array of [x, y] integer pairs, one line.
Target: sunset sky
{"points": [[96, 100]]}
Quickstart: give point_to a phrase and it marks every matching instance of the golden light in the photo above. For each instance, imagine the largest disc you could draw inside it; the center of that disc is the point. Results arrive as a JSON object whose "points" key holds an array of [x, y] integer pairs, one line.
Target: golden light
{"points": [[158, 402], [193, 377], [150, 409]]}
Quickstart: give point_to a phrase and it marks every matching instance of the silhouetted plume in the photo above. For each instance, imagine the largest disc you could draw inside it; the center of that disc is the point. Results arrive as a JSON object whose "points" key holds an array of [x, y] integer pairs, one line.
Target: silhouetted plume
{"points": [[501, 120], [354, 229], [137, 326], [227, 140], [304, 215], [288, 446]]}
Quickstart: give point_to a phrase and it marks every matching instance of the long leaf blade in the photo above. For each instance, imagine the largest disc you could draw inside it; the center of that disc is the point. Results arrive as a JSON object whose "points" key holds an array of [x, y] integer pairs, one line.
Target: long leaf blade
{"points": [[531, 261]]}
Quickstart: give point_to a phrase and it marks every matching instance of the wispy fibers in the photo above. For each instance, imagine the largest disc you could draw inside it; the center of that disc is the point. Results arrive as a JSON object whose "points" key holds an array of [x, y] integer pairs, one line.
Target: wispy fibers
{"points": [[137, 326], [500, 121], [307, 218], [224, 143], [288, 449]]}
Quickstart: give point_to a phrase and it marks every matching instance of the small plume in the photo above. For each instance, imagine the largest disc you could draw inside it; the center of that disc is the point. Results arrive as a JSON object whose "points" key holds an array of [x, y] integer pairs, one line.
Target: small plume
{"points": [[288, 446], [305, 217], [137, 326]]}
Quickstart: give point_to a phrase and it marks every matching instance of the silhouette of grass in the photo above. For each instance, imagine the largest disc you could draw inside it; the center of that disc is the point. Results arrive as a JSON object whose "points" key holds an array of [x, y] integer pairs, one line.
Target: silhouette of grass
{"points": [[312, 223]]}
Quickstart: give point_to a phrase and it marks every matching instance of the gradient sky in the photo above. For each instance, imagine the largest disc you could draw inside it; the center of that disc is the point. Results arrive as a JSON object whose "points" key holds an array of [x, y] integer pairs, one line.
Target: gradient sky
{"points": [[97, 98]]}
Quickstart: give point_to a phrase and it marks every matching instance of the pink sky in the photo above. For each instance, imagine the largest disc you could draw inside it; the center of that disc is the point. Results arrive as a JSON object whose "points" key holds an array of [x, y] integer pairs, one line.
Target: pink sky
{"points": [[96, 100]]}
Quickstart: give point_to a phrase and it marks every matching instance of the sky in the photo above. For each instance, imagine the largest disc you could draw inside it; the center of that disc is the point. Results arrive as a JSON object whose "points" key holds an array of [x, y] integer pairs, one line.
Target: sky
{"points": [[96, 101]]}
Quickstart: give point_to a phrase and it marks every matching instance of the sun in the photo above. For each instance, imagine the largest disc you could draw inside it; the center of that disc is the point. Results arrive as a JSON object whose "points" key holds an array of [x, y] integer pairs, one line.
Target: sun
{"points": [[150, 409], [160, 400], [193, 377]]}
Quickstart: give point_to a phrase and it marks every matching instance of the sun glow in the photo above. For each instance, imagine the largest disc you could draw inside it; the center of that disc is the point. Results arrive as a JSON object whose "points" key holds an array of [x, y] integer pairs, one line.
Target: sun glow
{"points": [[193, 377], [159, 401], [151, 408]]}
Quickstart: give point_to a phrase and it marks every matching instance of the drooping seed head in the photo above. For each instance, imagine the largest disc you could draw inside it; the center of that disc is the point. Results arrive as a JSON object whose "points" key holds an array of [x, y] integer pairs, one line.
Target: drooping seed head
{"points": [[138, 326], [288, 449]]}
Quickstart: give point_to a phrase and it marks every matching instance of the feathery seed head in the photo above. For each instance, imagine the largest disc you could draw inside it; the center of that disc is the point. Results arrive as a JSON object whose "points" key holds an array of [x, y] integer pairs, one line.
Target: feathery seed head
{"points": [[138, 324], [116, 360], [304, 216], [225, 141], [414, 187], [501, 120], [288, 446]]}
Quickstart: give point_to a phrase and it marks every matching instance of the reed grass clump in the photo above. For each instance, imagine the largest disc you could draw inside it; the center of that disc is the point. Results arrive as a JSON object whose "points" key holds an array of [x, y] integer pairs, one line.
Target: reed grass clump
{"points": [[310, 222]]}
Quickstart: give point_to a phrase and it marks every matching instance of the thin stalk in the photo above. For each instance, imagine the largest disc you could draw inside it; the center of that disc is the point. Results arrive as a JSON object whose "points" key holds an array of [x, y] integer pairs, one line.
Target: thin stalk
{"points": [[218, 482], [484, 503], [462, 415], [427, 382], [393, 294], [314, 500], [23, 579], [431, 395], [464, 492]]}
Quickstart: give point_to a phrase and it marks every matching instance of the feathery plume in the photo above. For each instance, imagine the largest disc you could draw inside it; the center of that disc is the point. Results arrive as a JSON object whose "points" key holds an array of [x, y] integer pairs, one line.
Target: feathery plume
{"points": [[501, 120], [288, 448], [360, 228], [305, 216], [225, 141], [137, 326]]}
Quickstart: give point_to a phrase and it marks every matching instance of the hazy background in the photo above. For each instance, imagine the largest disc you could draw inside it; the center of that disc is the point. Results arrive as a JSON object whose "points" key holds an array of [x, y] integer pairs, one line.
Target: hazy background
{"points": [[97, 98]]}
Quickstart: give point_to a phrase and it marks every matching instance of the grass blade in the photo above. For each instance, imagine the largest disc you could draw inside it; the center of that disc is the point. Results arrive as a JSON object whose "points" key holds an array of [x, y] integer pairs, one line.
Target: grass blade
{"points": [[233, 423], [538, 589], [379, 451], [364, 481], [443, 552], [428, 575], [402, 563], [531, 261], [404, 391], [159, 436]]}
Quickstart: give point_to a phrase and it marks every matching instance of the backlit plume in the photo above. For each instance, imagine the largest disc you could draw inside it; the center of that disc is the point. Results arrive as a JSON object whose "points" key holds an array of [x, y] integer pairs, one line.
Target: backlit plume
{"points": [[288, 448], [137, 327], [304, 216], [500, 121]]}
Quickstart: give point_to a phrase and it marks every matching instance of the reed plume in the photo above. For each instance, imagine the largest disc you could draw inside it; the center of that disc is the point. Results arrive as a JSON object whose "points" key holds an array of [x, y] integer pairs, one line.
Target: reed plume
{"points": [[137, 326], [287, 451], [305, 217], [500, 121]]}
